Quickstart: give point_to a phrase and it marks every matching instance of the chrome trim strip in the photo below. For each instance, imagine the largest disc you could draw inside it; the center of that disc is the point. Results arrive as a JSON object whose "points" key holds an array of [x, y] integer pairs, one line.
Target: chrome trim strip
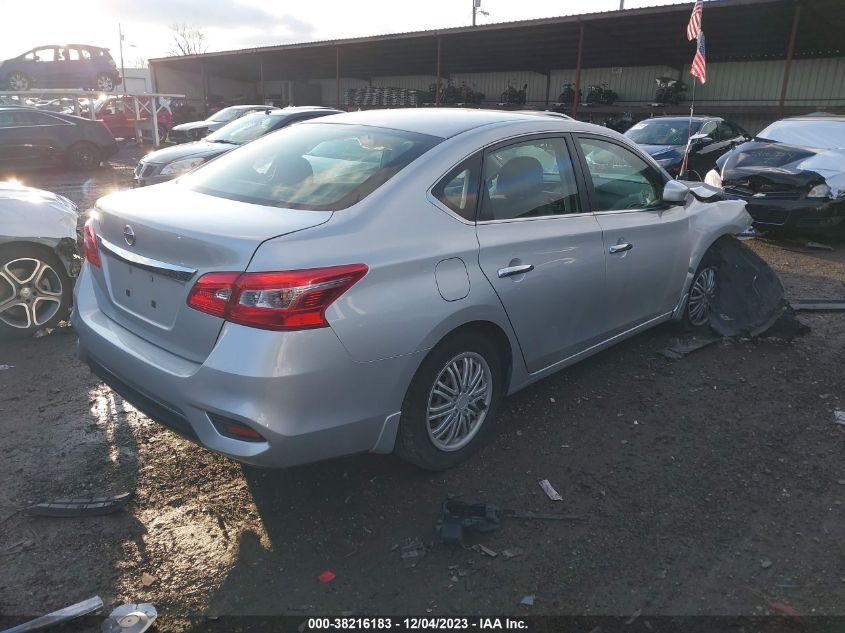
{"points": [[179, 273]]}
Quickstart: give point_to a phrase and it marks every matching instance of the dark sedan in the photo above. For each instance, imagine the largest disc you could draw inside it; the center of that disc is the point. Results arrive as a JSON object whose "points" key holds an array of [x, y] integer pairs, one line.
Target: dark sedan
{"points": [[791, 175], [32, 138], [195, 130], [171, 162], [665, 139]]}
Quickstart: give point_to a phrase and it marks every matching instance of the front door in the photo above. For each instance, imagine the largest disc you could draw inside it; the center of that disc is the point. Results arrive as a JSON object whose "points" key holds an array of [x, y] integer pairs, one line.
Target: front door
{"points": [[542, 249], [646, 241]]}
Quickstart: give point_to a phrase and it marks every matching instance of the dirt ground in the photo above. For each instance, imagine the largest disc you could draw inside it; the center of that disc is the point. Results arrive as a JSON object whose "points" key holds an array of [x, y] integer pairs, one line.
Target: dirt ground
{"points": [[708, 485]]}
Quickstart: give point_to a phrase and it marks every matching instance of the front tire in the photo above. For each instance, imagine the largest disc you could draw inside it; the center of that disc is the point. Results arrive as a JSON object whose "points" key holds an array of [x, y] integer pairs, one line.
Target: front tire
{"points": [[35, 290], [18, 82], [84, 156], [702, 295], [105, 83], [452, 402]]}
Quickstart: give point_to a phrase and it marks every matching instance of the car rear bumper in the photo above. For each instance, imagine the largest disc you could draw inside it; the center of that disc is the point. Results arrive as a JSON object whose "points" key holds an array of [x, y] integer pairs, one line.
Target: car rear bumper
{"points": [[795, 213], [301, 391]]}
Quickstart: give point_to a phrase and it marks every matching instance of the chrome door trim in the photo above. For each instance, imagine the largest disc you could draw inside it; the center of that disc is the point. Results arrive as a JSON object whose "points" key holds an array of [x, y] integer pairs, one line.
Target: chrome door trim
{"points": [[165, 269]]}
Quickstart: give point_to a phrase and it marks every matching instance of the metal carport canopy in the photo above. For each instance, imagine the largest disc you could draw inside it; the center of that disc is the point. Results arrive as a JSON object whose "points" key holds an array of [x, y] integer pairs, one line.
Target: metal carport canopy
{"points": [[735, 29]]}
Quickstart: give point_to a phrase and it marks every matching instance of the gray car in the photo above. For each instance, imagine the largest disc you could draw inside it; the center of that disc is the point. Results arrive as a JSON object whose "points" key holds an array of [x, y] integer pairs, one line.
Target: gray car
{"points": [[378, 281]]}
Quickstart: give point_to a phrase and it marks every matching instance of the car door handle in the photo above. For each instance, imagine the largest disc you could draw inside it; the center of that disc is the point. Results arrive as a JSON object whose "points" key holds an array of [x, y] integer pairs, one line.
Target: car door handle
{"points": [[620, 248], [510, 271]]}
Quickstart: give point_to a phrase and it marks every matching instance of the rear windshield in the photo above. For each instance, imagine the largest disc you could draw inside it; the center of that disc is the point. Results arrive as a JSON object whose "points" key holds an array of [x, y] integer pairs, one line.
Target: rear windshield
{"points": [[247, 128], [317, 166], [820, 134]]}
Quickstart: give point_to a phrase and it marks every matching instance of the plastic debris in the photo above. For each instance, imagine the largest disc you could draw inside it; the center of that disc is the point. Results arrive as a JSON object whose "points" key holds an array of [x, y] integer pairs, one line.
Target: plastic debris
{"points": [[484, 550], [457, 517], [46, 331], [58, 617], [765, 564], [5, 367], [549, 490], [839, 417], [512, 552], [412, 552], [130, 618], [818, 246], [81, 507], [543, 516], [327, 576], [633, 617], [682, 347], [527, 601], [817, 305]]}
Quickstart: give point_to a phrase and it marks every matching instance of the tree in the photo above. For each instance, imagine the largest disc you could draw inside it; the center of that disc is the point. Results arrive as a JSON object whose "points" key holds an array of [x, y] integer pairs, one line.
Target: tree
{"points": [[140, 62], [187, 40]]}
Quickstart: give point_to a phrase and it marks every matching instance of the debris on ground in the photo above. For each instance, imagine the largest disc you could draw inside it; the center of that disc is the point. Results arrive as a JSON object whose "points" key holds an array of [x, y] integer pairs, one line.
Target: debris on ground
{"points": [[839, 417], [20, 545], [148, 579], [633, 617], [130, 618], [45, 331], [543, 516], [527, 601], [327, 576], [751, 295], [818, 246], [58, 617], [80, 507], [549, 490], [457, 517], [683, 346], [484, 550], [820, 305], [412, 552], [786, 610], [512, 552], [765, 563], [5, 367]]}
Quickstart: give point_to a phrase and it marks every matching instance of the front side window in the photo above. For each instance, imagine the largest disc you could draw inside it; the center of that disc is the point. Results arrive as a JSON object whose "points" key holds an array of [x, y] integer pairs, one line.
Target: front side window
{"points": [[621, 179], [45, 54], [315, 166], [530, 179], [458, 189]]}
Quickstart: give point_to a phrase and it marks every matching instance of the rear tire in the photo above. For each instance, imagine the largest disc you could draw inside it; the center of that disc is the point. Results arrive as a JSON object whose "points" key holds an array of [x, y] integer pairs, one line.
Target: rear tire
{"points": [[18, 82], [35, 290], [84, 155], [702, 294], [452, 402], [105, 82]]}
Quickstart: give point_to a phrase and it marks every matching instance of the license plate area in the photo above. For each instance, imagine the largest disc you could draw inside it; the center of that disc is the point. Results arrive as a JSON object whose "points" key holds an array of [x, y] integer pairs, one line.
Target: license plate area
{"points": [[145, 294]]}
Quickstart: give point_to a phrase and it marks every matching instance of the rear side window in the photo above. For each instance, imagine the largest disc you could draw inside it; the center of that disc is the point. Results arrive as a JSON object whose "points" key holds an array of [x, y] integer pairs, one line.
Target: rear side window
{"points": [[458, 189], [317, 166]]}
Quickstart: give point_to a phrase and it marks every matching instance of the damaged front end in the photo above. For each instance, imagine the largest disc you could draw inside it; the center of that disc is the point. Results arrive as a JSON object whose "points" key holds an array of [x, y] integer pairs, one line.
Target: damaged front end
{"points": [[786, 186]]}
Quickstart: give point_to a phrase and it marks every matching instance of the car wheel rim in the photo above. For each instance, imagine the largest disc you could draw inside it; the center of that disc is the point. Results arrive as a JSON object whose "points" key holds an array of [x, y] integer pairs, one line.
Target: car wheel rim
{"points": [[105, 84], [701, 296], [18, 82], [458, 401], [85, 157], [30, 293]]}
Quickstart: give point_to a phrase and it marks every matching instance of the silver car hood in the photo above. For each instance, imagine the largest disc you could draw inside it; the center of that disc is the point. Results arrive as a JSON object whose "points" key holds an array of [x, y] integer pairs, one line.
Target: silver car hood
{"points": [[26, 212]]}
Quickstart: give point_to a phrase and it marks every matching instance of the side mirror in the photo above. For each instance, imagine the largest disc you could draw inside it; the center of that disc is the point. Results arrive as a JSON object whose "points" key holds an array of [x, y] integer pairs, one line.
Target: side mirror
{"points": [[700, 140], [675, 192]]}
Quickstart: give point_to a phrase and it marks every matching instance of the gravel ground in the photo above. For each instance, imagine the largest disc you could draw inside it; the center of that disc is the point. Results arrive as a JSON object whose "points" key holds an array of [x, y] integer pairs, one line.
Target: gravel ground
{"points": [[709, 485]]}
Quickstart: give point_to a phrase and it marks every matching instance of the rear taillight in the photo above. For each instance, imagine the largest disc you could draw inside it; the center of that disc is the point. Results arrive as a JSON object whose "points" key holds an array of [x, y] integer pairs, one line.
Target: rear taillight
{"points": [[291, 300], [92, 249]]}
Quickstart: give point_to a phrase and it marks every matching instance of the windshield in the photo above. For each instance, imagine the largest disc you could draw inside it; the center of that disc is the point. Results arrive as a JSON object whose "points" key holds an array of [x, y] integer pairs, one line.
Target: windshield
{"points": [[821, 134], [246, 129], [316, 166], [226, 114], [657, 132]]}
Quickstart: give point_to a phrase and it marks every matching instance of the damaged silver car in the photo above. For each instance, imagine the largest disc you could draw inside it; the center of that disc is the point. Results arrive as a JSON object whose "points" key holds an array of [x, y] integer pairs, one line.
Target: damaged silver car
{"points": [[39, 258], [380, 282]]}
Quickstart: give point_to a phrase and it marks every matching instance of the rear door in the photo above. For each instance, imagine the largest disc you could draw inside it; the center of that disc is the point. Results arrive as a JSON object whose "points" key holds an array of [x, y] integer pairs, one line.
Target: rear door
{"points": [[541, 248], [76, 68], [646, 241], [47, 71]]}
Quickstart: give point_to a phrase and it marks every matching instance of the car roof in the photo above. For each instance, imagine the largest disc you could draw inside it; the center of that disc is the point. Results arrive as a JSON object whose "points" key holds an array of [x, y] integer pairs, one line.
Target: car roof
{"points": [[697, 119], [256, 106], [817, 116], [442, 122], [300, 110]]}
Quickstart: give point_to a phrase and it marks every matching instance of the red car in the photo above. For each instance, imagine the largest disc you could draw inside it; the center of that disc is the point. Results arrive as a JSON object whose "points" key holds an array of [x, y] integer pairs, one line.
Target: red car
{"points": [[118, 114]]}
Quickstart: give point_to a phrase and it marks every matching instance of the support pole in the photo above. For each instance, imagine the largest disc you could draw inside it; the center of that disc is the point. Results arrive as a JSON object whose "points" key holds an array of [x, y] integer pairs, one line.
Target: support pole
{"points": [[122, 69], [437, 84], [204, 81], [575, 98], [789, 54], [548, 86], [337, 74], [261, 77]]}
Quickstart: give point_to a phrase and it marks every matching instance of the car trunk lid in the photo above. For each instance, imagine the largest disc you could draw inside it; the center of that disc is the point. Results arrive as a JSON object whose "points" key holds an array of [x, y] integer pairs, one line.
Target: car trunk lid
{"points": [[156, 242]]}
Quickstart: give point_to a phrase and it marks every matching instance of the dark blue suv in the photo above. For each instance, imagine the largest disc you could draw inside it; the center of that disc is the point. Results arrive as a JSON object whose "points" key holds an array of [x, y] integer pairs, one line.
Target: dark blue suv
{"points": [[72, 66]]}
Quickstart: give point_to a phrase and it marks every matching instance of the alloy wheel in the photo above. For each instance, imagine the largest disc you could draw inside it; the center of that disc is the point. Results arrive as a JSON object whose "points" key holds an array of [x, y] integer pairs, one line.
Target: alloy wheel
{"points": [[701, 296], [30, 293], [458, 401], [18, 81], [105, 83]]}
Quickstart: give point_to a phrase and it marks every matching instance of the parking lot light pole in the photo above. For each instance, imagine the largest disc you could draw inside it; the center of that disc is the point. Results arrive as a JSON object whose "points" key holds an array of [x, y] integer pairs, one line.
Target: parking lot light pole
{"points": [[122, 69]]}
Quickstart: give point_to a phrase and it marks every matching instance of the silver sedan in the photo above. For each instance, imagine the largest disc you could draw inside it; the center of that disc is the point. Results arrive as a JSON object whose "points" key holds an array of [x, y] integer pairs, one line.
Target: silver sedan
{"points": [[379, 281]]}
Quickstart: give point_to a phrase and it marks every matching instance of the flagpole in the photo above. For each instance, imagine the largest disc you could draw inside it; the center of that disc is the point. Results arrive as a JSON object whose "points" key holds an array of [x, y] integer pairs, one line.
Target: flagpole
{"points": [[689, 129]]}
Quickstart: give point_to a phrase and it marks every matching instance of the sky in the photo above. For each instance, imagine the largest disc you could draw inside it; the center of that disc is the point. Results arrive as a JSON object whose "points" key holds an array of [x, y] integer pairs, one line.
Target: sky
{"points": [[233, 24]]}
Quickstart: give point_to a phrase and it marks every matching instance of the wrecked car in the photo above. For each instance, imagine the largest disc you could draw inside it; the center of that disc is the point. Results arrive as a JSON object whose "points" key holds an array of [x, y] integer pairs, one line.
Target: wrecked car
{"points": [[39, 258], [195, 130], [381, 282], [791, 175]]}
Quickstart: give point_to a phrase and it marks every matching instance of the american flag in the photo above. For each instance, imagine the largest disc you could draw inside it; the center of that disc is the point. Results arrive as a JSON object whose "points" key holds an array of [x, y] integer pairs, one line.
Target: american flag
{"points": [[699, 62], [694, 26]]}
